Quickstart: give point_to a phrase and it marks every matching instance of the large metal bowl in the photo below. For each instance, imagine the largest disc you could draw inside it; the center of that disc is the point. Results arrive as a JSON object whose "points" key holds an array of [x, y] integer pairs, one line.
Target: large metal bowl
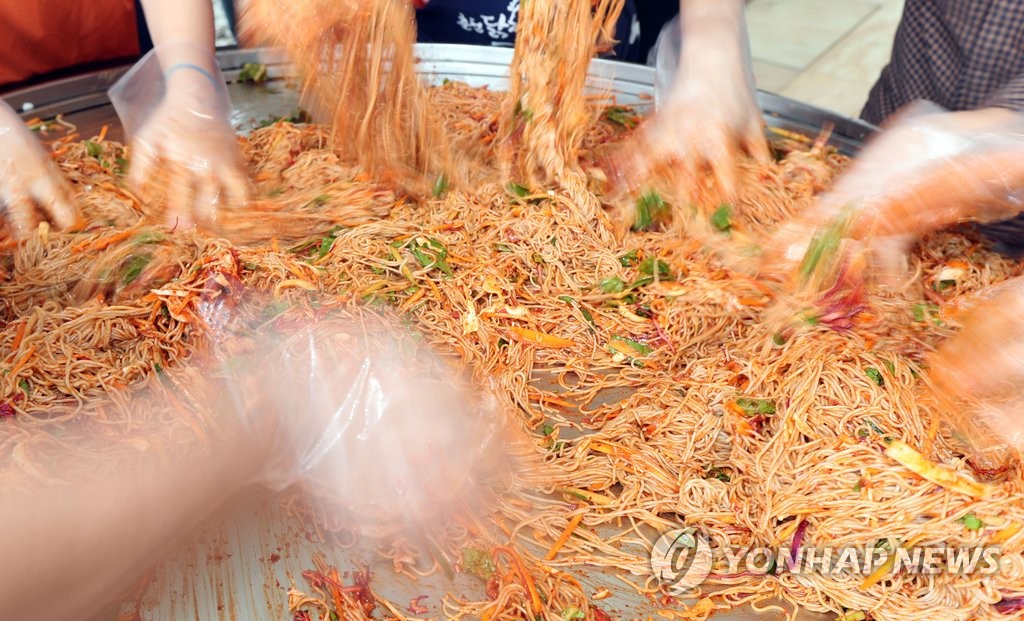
{"points": [[241, 571], [82, 100]]}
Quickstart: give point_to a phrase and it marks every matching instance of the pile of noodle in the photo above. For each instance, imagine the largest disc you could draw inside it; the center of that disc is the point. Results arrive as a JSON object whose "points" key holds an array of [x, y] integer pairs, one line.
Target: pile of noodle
{"points": [[624, 358]]}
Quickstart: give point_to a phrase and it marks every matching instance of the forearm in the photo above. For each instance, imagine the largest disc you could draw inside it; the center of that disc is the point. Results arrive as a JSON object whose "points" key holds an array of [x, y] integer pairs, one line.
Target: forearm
{"points": [[184, 26], [712, 27], [1010, 96], [69, 549]]}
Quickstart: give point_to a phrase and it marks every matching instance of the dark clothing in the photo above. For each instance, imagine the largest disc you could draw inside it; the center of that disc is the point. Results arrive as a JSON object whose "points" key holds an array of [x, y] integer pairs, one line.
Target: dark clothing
{"points": [[493, 23], [961, 54]]}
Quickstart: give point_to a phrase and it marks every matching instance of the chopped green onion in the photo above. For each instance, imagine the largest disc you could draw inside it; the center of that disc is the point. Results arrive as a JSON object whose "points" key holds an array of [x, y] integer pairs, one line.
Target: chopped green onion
{"points": [[583, 311], [133, 268], [477, 562], [519, 190], [431, 254], [721, 218], [23, 385], [756, 407], [253, 72], [651, 265], [613, 284], [149, 237], [93, 149], [648, 208], [641, 348], [717, 473], [971, 522], [571, 613], [875, 375], [630, 259], [621, 116], [440, 186]]}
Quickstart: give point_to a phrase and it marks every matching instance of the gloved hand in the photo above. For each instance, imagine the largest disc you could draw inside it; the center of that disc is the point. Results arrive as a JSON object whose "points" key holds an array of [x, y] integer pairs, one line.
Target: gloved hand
{"points": [[707, 114], [175, 107], [978, 374], [365, 416], [30, 183], [927, 170]]}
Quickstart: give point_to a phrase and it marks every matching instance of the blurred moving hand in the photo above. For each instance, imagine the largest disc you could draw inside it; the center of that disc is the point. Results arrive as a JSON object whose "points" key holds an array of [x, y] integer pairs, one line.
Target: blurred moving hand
{"points": [[189, 145], [30, 183], [927, 170], [364, 417], [175, 108], [367, 418], [979, 373], [708, 116]]}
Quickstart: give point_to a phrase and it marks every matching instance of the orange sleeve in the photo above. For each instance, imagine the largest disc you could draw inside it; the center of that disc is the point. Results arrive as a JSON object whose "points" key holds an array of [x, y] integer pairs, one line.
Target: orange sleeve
{"points": [[40, 37]]}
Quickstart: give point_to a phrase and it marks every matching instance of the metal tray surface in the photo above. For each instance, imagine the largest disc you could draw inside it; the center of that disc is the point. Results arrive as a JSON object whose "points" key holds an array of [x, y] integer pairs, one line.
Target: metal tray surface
{"points": [[244, 566]]}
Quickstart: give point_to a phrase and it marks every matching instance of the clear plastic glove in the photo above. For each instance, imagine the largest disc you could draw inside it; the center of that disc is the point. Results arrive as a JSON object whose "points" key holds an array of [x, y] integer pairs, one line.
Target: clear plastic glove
{"points": [[979, 376], [707, 115], [30, 183], [175, 108], [365, 416], [929, 169]]}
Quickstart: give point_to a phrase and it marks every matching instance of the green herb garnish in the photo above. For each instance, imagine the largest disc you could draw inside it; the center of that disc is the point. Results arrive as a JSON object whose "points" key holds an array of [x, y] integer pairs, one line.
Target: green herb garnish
{"points": [[650, 265], [641, 348], [253, 72], [717, 473], [648, 208], [971, 522], [519, 190], [477, 562], [756, 407], [571, 613], [875, 375], [621, 116], [613, 284], [440, 186], [431, 254], [133, 268], [721, 219]]}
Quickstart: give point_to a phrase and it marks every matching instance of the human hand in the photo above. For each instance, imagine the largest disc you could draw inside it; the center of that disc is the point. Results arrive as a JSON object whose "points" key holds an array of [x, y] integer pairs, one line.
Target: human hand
{"points": [[978, 375], [708, 116], [184, 150], [30, 183], [366, 417], [928, 170]]}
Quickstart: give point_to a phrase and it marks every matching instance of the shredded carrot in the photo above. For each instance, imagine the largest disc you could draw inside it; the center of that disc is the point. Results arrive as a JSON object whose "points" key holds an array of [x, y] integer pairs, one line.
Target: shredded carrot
{"points": [[564, 537], [103, 134], [526, 335], [22, 362], [755, 302], [105, 242], [535, 602], [19, 335]]}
